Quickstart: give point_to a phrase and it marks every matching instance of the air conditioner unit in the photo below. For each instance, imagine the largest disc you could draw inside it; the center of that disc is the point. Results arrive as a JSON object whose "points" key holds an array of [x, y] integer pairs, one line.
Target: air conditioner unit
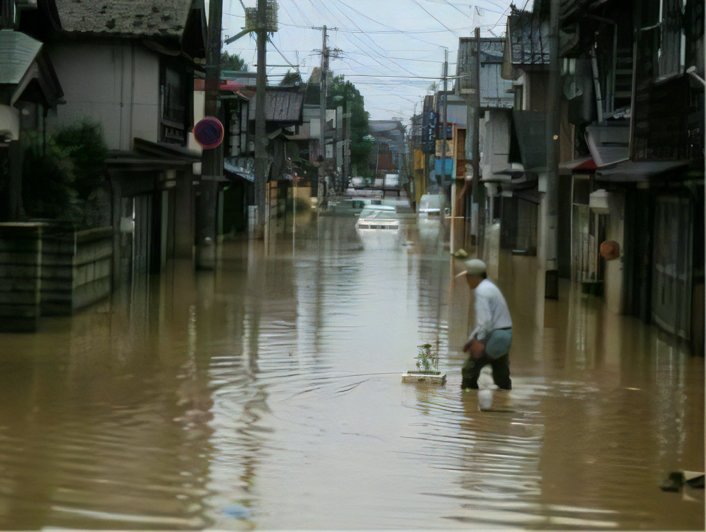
{"points": [[598, 201]]}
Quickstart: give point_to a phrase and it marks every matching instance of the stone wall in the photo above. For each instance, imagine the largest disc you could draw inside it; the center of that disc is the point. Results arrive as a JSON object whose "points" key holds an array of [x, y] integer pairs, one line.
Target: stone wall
{"points": [[76, 268], [50, 269], [20, 276]]}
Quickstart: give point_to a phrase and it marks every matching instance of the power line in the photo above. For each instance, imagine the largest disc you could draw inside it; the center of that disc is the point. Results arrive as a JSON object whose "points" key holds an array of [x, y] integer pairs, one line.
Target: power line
{"points": [[305, 17], [380, 23], [382, 55], [500, 6], [371, 49], [413, 59], [432, 16], [401, 77], [341, 22], [371, 40], [457, 9]]}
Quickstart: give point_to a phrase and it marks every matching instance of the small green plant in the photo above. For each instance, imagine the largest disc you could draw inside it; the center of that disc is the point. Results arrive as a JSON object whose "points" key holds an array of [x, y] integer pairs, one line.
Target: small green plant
{"points": [[65, 179], [427, 358]]}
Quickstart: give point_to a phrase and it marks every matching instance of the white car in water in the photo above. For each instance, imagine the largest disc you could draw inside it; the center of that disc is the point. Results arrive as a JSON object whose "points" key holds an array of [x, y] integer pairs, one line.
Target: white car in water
{"points": [[430, 205], [378, 218]]}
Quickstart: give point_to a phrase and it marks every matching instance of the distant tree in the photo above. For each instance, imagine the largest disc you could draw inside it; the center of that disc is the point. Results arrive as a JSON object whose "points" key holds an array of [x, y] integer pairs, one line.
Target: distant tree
{"points": [[340, 92], [291, 78], [233, 62]]}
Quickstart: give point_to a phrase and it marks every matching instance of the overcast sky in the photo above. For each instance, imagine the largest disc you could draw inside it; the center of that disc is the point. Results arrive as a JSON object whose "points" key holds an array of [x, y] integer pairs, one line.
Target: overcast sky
{"points": [[376, 38]]}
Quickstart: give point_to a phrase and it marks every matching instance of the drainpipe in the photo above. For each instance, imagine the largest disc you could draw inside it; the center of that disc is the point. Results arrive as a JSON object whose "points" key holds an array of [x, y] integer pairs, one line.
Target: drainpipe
{"points": [[610, 87], [597, 85]]}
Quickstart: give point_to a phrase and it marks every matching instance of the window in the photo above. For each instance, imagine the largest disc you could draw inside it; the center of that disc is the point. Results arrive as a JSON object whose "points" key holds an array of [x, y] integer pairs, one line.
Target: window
{"points": [[174, 107]]}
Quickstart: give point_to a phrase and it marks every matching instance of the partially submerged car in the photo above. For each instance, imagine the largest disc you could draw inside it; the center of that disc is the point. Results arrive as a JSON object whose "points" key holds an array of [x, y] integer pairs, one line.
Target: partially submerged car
{"points": [[375, 217], [348, 207], [430, 205]]}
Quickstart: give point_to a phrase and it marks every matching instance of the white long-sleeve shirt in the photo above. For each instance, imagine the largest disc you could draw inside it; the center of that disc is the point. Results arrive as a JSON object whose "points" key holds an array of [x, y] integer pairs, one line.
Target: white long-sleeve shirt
{"points": [[491, 310]]}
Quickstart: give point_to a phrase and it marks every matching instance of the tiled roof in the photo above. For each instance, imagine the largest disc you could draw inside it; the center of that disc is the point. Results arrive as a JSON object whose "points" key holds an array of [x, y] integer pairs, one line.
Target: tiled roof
{"points": [[165, 18], [17, 51]]}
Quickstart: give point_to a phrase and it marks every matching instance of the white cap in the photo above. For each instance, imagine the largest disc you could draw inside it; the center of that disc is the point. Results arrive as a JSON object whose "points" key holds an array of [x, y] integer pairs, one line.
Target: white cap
{"points": [[475, 267]]}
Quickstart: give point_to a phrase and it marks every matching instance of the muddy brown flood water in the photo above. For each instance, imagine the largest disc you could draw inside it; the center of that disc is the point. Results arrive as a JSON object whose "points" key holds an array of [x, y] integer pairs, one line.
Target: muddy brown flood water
{"points": [[267, 395]]}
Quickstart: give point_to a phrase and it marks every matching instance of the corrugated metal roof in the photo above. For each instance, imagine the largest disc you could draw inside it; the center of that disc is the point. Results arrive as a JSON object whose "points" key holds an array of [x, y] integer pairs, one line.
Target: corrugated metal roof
{"points": [[17, 52], [243, 167], [165, 18], [280, 106]]}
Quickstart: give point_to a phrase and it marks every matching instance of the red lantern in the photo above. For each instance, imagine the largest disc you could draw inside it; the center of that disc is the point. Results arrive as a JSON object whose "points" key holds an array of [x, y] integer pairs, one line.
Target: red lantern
{"points": [[209, 132], [610, 250]]}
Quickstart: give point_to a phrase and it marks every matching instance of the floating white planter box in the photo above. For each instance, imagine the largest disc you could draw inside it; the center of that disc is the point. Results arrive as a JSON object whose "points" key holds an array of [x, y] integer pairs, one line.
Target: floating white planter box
{"points": [[435, 377]]}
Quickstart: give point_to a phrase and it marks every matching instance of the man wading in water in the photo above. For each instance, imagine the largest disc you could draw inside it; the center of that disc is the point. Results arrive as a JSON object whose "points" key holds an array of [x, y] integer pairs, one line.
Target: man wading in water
{"points": [[489, 343]]}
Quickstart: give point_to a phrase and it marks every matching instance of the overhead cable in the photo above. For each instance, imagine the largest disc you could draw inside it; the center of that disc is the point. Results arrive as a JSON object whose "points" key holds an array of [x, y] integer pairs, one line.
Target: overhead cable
{"points": [[432, 16]]}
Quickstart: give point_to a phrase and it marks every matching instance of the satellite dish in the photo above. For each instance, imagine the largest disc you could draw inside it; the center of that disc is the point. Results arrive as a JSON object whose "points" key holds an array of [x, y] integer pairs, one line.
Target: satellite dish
{"points": [[209, 132]]}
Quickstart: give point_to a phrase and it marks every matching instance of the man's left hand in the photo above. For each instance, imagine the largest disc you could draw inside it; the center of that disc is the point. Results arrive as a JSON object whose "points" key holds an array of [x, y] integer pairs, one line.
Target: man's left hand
{"points": [[477, 349]]}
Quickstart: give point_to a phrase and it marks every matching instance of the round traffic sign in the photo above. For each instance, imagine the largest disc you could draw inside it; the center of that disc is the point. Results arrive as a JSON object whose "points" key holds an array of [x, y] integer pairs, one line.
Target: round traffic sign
{"points": [[208, 132]]}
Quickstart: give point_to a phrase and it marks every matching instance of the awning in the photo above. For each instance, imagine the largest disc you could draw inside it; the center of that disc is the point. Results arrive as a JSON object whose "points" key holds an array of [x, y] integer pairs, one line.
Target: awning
{"points": [[149, 155], [167, 150], [526, 182], [22, 63], [241, 167], [528, 195], [502, 173], [512, 170], [225, 85], [17, 53], [582, 165], [637, 172], [609, 144]]}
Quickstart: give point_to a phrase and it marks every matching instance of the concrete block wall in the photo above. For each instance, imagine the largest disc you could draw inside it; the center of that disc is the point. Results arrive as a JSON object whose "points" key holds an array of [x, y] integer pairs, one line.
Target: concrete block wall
{"points": [[20, 276], [76, 269]]}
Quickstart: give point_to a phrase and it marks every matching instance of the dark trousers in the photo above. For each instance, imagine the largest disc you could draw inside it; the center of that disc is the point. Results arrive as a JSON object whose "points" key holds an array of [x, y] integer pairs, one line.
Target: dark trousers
{"points": [[501, 371]]}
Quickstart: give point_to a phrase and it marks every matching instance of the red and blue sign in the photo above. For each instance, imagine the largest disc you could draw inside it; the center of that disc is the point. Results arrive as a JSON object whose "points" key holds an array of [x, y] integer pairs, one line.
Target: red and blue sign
{"points": [[209, 133]]}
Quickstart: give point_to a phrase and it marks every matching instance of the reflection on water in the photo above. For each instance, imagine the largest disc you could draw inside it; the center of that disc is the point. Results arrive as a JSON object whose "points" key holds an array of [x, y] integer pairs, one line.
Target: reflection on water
{"points": [[267, 395]]}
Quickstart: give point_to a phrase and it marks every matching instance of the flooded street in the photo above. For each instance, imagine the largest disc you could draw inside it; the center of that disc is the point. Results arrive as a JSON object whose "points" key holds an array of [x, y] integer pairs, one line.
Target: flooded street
{"points": [[267, 395]]}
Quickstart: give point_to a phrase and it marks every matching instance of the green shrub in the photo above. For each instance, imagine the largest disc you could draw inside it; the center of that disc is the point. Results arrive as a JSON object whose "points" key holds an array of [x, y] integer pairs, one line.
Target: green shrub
{"points": [[62, 182]]}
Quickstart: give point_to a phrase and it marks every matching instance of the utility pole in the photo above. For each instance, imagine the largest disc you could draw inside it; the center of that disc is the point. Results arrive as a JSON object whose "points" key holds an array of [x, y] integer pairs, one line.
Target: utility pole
{"points": [[551, 290], [260, 123], [212, 169], [479, 195], [444, 183], [347, 146], [322, 119]]}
